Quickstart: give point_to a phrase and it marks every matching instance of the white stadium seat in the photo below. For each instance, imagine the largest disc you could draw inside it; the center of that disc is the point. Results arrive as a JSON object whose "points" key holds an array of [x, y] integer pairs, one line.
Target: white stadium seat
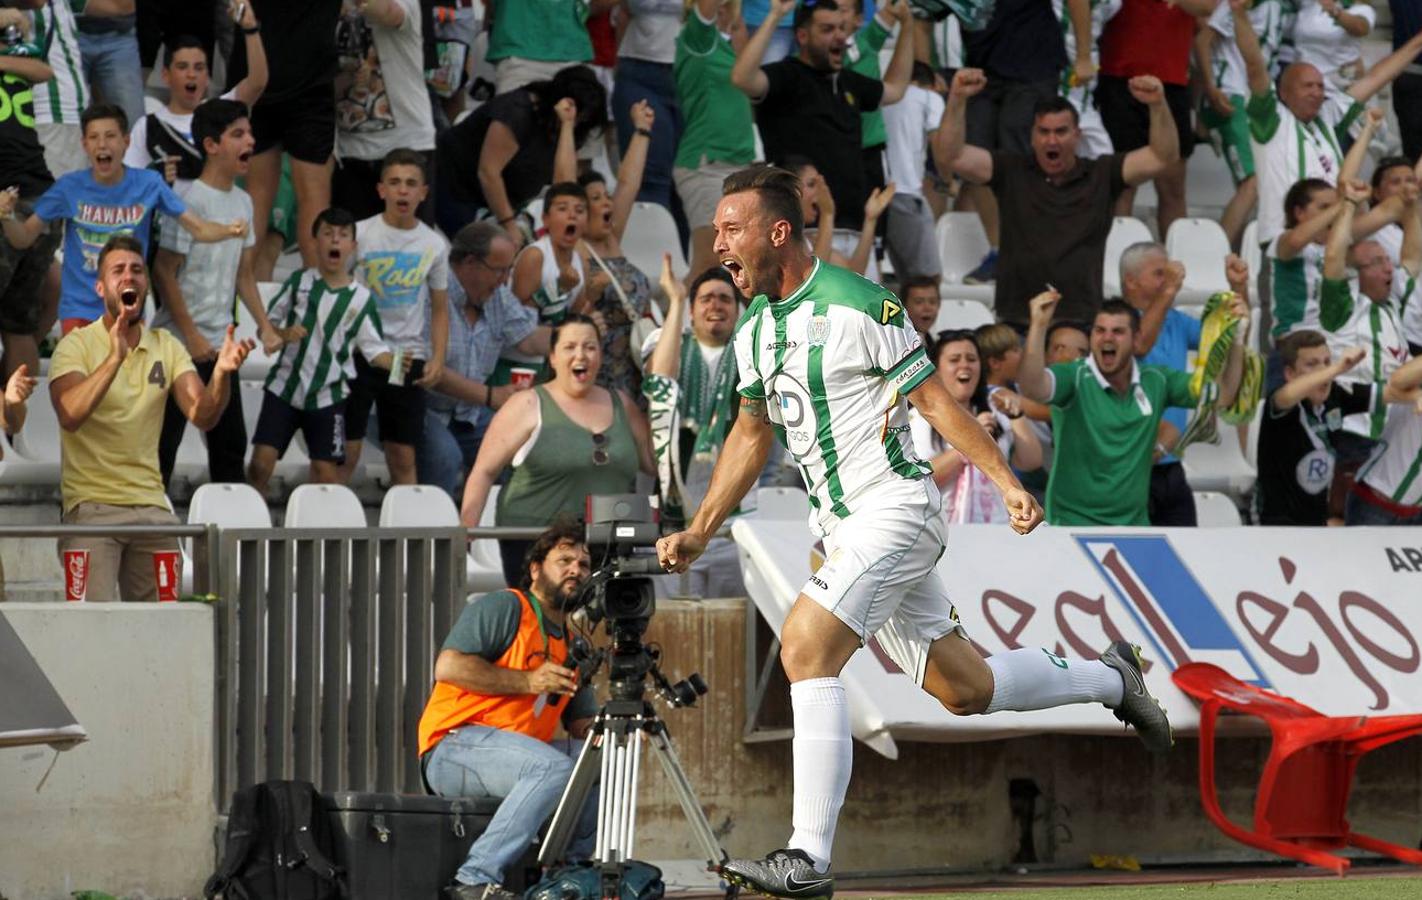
{"points": [[962, 244], [486, 567], [1201, 245], [1219, 467], [787, 503], [417, 506], [324, 506], [1215, 510], [954, 314], [227, 506], [651, 231], [1125, 231]]}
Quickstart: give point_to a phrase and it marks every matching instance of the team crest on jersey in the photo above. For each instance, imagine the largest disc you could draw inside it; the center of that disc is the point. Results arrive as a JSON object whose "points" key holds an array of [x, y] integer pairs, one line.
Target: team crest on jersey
{"points": [[1333, 419], [818, 330]]}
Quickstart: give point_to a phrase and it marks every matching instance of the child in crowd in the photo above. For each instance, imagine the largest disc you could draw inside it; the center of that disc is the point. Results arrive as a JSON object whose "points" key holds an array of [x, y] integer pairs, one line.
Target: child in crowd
{"points": [[324, 315], [196, 282], [548, 274], [405, 265], [163, 140], [96, 203], [1001, 348]]}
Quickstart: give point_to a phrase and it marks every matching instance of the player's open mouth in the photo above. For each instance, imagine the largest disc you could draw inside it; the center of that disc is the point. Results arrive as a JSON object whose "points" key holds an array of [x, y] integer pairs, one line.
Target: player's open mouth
{"points": [[738, 274]]}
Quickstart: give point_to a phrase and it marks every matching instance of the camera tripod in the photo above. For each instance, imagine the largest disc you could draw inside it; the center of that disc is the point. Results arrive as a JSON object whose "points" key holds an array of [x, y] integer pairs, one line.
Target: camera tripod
{"points": [[613, 754]]}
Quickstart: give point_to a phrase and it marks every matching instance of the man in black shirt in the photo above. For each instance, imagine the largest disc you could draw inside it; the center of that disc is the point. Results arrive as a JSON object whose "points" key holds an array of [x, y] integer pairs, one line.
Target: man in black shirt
{"points": [[810, 105], [1296, 431], [1056, 208], [23, 272]]}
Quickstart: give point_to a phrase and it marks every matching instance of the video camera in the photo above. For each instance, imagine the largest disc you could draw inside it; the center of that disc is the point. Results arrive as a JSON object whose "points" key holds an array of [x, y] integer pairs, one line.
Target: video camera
{"points": [[620, 591]]}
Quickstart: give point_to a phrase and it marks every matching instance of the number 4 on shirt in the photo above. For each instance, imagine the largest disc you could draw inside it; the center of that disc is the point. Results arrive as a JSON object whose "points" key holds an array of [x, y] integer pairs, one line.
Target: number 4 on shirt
{"points": [[155, 376]]}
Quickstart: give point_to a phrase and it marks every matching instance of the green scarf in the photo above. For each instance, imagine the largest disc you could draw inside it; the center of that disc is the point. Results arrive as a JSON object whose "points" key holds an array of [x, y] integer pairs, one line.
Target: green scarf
{"points": [[1217, 334], [708, 398]]}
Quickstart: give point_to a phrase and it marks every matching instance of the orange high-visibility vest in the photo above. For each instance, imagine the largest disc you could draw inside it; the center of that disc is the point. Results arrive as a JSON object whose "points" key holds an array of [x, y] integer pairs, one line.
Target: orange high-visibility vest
{"points": [[450, 707]]}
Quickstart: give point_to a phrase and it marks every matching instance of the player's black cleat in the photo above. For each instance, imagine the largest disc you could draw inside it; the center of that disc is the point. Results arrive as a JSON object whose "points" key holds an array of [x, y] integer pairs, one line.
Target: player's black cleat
{"points": [[784, 873], [1138, 708]]}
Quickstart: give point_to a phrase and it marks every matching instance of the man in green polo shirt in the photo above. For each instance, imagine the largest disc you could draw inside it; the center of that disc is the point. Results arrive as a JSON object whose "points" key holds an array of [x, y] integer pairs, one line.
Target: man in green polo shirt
{"points": [[1105, 412]]}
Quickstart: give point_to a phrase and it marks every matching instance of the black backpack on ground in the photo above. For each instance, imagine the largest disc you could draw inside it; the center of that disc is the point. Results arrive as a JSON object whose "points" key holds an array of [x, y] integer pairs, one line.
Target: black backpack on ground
{"points": [[278, 847]]}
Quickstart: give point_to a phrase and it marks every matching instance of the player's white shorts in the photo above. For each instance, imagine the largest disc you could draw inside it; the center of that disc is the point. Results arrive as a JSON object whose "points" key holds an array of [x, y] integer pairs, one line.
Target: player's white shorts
{"points": [[879, 575]]}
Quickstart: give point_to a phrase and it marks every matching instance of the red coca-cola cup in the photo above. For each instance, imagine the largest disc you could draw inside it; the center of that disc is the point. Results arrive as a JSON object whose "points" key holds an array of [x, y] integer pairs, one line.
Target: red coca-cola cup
{"points": [[521, 377], [76, 575], [165, 575]]}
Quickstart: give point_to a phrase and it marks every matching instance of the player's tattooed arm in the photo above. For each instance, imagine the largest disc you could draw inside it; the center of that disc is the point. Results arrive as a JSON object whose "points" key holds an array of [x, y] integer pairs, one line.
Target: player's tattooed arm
{"points": [[755, 408]]}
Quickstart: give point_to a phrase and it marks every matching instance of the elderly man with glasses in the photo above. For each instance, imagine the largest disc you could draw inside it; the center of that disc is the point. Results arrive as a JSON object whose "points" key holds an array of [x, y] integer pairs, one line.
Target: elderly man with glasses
{"points": [[485, 322]]}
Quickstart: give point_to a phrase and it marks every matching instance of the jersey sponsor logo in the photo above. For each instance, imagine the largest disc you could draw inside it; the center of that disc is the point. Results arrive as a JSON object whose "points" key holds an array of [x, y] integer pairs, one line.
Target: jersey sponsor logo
{"points": [[910, 371], [781, 345], [17, 100], [890, 310], [819, 582], [818, 330], [1315, 471]]}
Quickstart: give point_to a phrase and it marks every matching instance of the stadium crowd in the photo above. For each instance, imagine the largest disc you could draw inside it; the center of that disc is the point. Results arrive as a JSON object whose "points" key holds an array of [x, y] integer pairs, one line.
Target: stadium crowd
{"points": [[431, 180]]}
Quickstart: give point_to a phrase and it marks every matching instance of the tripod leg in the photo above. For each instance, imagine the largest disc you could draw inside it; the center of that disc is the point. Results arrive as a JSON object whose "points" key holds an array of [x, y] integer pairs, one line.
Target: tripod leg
{"points": [[570, 805], [701, 828], [630, 833], [608, 807]]}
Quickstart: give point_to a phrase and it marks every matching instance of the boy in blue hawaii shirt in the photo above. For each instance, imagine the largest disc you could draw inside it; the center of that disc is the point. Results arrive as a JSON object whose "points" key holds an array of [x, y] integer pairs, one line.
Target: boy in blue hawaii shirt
{"points": [[97, 203]]}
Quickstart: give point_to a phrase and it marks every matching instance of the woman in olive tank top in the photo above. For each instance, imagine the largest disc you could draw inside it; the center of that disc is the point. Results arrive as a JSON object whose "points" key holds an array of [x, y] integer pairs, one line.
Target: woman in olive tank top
{"points": [[565, 439]]}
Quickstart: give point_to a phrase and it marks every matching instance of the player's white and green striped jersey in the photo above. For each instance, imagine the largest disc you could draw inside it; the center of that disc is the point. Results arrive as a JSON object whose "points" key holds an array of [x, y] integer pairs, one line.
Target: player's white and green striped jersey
{"points": [[1267, 17], [1395, 468], [1297, 287], [313, 373], [60, 100], [1101, 13], [833, 362], [1351, 319]]}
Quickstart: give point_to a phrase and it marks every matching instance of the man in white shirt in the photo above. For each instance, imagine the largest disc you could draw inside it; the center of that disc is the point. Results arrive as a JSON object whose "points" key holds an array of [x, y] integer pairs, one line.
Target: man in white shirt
{"points": [[382, 103], [911, 124], [1297, 134]]}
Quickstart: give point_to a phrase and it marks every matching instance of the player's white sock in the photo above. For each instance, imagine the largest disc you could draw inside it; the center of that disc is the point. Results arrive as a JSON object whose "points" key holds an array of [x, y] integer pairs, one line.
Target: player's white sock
{"points": [[1032, 678], [824, 754]]}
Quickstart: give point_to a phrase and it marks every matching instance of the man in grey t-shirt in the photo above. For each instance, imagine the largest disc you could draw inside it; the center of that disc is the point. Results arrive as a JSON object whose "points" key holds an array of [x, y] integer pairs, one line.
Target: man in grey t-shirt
{"points": [[196, 282]]}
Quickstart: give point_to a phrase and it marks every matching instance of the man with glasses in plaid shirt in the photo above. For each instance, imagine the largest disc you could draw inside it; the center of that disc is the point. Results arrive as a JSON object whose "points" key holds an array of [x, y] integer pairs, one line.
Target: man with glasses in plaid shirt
{"points": [[486, 321], [503, 684]]}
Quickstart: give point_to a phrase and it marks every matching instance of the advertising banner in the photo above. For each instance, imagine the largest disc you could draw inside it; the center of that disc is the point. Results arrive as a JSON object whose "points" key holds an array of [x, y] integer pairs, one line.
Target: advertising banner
{"points": [[1328, 616]]}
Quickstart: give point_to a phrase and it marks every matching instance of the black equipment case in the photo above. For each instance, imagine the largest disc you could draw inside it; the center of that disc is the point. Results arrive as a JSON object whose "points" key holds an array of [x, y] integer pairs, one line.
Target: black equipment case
{"points": [[407, 846]]}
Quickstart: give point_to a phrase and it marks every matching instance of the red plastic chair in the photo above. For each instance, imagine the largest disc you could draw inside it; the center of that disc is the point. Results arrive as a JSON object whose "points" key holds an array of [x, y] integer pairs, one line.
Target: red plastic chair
{"points": [[1301, 806]]}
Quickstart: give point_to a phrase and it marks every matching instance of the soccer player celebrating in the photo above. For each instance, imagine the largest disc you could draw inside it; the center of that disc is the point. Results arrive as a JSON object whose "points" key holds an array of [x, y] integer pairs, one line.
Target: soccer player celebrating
{"points": [[830, 357]]}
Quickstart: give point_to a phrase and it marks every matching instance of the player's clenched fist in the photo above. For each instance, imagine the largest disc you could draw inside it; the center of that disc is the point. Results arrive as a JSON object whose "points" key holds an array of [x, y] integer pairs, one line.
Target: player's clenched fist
{"points": [[967, 82], [1024, 512], [676, 552], [1147, 89]]}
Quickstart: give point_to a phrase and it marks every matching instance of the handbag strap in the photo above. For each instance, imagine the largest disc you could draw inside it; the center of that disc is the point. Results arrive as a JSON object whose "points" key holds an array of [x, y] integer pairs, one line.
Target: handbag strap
{"points": [[655, 312]]}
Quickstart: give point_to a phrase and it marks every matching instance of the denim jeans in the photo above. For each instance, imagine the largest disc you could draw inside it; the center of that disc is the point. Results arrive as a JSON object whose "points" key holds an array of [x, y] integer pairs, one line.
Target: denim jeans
{"points": [[638, 79], [112, 67], [529, 775], [447, 452]]}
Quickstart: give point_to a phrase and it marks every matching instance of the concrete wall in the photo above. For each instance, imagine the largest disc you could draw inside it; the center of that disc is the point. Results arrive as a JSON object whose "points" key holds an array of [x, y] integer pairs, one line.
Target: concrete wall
{"points": [[132, 809], [947, 805]]}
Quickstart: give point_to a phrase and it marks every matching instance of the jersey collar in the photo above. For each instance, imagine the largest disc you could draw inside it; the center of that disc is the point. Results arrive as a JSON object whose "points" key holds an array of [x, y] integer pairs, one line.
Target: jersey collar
{"points": [[1101, 379], [796, 294]]}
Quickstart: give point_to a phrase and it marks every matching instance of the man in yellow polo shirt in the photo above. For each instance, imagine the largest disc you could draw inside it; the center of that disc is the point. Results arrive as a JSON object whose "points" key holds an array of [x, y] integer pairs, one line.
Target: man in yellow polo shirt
{"points": [[109, 382]]}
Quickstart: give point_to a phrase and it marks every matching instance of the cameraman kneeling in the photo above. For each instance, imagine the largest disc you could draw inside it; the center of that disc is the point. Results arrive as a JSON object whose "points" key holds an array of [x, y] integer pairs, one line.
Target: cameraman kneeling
{"points": [[501, 687]]}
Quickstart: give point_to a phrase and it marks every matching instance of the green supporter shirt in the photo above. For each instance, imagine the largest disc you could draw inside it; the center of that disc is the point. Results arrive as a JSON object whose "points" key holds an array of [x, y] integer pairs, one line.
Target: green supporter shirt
{"points": [[865, 61], [719, 124], [545, 30], [1105, 442], [487, 627]]}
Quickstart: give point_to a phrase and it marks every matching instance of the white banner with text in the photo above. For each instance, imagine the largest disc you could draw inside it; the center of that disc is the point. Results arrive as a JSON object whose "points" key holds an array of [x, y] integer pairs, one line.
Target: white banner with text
{"points": [[1328, 616]]}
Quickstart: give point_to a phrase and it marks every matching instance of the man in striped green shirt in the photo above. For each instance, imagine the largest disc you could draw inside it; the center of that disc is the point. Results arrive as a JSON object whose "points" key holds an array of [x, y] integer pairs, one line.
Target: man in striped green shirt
{"points": [[59, 101], [322, 315]]}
